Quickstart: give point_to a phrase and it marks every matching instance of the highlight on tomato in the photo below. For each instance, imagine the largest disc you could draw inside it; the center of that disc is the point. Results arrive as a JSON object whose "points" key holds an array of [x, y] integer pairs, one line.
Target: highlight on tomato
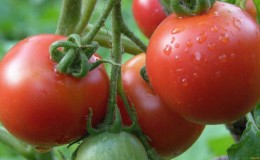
{"points": [[42, 107], [206, 67], [148, 14], [170, 134]]}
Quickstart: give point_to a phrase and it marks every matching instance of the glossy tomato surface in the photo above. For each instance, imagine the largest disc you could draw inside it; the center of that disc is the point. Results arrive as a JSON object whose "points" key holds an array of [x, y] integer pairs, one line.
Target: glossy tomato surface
{"points": [[39, 105], [170, 134], [206, 68], [112, 146], [148, 14]]}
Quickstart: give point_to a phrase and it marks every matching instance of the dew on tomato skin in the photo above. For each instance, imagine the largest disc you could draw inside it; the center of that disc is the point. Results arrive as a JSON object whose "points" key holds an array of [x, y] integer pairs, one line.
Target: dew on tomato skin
{"points": [[216, 14], [177, 30], [198, 56], [202, 37], [218, 74], [184, 82], [237, 23], [214, 28], [167, 50], [232, 55], [172, 40], [177, 57], [177, 45], [223, 58], [211, 46], [224, 38], [195, 75], [189, 43]]}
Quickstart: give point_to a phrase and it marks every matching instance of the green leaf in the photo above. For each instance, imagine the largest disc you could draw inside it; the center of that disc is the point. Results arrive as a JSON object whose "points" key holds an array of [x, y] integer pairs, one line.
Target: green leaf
{"points": [[249, 146], [257, 5], [257, 115]]}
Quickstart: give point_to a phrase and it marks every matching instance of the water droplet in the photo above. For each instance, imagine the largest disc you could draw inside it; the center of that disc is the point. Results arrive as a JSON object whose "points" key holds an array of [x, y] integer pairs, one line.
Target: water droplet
{"points": [[179, 70], [223, 58], [167, 50], [224, 38], [218, 74], [177, 30], [177, 45], [212, 46], [184, 82], [189, 43], [195, 75], [172, 40], [198, 56], [176, 57], [214, 28], [202, 37], [232, 55], [216, 14], [237, 23]]}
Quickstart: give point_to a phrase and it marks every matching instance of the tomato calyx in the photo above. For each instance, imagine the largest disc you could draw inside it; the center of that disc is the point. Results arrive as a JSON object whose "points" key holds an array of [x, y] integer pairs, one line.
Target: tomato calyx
{"points": [[187, 7], [144, 75], [72, 56]]}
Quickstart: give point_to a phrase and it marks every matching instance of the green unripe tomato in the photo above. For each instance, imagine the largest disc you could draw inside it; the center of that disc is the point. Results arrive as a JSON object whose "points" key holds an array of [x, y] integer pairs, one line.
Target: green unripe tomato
{"points": [[112, 146]]}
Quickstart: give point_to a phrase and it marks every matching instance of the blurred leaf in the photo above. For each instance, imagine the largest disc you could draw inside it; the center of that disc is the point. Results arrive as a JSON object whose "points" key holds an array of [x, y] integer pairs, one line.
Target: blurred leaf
{"points": [[249, 146], [218, 149], [257, 5]]}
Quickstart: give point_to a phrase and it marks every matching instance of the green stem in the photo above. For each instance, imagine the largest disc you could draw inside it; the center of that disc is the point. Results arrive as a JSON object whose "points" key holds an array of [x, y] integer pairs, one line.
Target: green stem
{"points": [[104, 38], [127, 32], [90, 6], [23, 149], [116, 57], [91, 34], [69, 17]]}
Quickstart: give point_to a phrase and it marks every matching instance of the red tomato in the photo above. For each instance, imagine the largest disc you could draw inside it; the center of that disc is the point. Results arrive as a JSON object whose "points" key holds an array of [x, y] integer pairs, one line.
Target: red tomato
{"points": [[148, 14], [170, 134], [250, 8], [206, 68], [41, 106]]}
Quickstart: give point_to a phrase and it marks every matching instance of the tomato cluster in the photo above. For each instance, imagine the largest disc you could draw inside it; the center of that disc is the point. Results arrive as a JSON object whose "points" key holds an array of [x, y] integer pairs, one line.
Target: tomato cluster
{"points": [[202, 69]]}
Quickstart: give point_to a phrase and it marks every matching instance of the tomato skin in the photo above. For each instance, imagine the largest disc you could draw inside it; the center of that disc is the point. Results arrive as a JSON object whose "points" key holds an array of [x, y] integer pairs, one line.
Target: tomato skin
{"points": [[148, 14], [41, 106], [112, 146], [170, 134], [250, 8], [206, 68]]}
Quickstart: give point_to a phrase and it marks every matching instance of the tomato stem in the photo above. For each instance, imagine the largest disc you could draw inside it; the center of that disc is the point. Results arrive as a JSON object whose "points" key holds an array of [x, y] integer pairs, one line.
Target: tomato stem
{"points": [[69, 17], [89, 8], [23, 149], [116, 57], [100, 22], [103, 37]]}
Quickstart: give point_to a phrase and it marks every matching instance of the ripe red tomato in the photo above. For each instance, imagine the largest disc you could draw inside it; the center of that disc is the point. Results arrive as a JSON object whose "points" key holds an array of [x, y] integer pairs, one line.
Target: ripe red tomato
{"points": [[148, 14], [170, 134], [41, 106], [250, 8], [206, 68]]}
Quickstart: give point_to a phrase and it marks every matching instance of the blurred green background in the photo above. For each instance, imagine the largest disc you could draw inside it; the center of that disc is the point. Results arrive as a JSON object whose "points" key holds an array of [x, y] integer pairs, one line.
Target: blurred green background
{"points": [[23, 18]]}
